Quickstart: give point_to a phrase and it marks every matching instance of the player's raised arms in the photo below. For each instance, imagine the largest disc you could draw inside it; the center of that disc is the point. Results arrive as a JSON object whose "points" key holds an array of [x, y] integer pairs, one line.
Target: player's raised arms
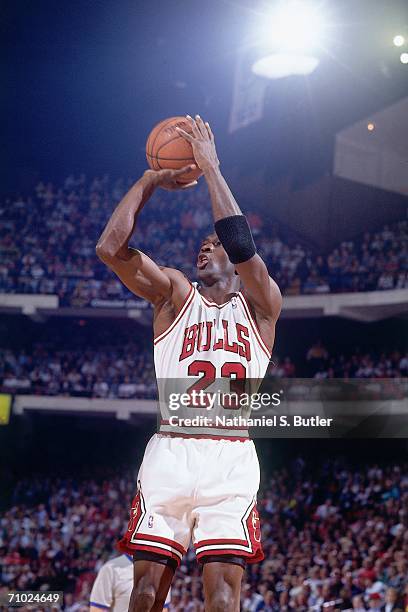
{"points": [[234, 233], [141, 275]]}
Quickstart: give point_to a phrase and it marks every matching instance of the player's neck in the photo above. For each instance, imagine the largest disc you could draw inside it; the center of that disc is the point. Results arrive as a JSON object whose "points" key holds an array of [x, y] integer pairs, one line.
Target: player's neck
{"points": [[220, 291]]}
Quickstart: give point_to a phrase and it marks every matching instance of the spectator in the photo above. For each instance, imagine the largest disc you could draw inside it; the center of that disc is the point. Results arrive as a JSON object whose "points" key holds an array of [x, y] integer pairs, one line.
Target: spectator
{"points": [[47, 245], [106, 370], [391, 601], [59, 532]]}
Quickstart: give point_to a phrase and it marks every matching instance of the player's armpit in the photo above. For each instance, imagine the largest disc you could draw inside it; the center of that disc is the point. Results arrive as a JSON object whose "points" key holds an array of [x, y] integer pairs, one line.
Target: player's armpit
{"points": [[98, 608], [261, 289], [143, 277]]}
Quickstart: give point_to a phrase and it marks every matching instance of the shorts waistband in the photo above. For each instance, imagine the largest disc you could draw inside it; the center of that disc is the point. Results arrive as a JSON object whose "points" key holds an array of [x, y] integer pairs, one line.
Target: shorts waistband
{"points": [[204, 436]]}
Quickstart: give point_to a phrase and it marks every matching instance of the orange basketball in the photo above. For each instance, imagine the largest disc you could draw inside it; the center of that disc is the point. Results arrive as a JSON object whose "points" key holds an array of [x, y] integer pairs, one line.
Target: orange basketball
{"points": [[165, 148]]}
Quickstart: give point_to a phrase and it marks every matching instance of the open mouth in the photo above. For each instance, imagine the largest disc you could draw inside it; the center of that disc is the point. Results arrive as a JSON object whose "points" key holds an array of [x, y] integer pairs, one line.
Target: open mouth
{"points": [[202, 261]]}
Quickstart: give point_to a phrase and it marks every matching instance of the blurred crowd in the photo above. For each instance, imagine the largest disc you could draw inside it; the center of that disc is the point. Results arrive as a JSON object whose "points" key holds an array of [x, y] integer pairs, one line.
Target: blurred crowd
{"points": [[116, 372], [320, 364], [127, 371], [334, 538], [47, 245]]}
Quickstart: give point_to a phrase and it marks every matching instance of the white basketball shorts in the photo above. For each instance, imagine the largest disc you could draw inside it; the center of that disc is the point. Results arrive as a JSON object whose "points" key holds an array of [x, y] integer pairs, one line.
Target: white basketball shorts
{"points": [[199, 490]]}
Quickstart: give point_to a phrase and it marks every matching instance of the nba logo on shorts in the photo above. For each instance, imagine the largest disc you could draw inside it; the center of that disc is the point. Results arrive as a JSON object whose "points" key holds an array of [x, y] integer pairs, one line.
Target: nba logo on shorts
{"points": [[255, 525], [150, 522]]}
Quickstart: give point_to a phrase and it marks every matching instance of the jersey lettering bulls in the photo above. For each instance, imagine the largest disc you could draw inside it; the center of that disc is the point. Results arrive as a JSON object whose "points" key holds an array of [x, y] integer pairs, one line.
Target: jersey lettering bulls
{"points": [[208, 343], [201, 337]]}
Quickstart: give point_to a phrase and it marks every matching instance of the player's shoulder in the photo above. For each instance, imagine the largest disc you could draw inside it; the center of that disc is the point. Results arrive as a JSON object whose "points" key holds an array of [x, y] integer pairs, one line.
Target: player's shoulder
{"points": [[178, 279], [173, 273], [181, 290]]}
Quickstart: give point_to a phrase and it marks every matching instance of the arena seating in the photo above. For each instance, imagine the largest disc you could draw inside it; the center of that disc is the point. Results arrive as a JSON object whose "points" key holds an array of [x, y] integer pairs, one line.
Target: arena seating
{"points": [[128, 372], [333, 533], [47, 245], [333, 536]]}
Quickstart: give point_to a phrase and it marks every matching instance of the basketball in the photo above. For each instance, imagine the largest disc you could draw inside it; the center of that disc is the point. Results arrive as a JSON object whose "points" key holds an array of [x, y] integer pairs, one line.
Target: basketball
{"points": [[166, 149]]}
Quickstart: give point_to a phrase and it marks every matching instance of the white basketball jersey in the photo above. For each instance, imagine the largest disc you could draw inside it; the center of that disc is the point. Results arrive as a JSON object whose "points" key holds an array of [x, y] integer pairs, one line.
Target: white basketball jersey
{"points": [[208, 342], [113, 585]]}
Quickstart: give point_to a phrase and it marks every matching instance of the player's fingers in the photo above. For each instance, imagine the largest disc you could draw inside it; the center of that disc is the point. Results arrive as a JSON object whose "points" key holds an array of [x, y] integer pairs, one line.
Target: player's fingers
{"points": [[175, 186], [192, 184], [201, 126], [211, 135], [185, 135], [194, 126], [184, 169]]}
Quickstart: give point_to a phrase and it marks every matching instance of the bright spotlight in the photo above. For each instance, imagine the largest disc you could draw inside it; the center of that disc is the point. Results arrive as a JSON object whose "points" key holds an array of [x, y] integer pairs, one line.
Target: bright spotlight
{"points": [[404, 58], [279, 65], [294, 25], [398, 40], [370, 127], [288, 39]]}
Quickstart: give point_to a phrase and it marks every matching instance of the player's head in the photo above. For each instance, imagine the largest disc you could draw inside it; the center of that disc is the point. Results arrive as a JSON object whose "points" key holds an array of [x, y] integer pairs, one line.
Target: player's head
{"points": [[213, 263]]}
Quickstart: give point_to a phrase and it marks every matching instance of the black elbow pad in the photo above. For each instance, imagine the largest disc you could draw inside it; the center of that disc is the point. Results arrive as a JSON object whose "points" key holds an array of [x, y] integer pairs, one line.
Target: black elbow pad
{"points": [[235, 236]]}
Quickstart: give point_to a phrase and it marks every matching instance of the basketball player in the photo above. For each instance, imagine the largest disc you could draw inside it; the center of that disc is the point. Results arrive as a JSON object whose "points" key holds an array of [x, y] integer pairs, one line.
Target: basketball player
{"points": [[113, 586], [198, 485]]}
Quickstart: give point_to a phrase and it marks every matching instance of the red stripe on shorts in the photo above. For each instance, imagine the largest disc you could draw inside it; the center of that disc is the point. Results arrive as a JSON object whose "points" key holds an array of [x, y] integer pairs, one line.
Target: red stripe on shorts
{"points": [[255, 557], [154, 538], [215, 542]]}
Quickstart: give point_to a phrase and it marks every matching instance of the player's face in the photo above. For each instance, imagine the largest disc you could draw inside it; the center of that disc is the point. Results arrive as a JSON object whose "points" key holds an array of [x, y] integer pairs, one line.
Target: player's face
{"points": [[212, 259]]}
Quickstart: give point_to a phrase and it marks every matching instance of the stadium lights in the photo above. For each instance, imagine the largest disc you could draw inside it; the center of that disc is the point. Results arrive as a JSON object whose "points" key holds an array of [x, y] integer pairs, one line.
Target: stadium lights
{"points": [[289, 36], [398, 40], [404, 58], [279, 65], [295, 26]]}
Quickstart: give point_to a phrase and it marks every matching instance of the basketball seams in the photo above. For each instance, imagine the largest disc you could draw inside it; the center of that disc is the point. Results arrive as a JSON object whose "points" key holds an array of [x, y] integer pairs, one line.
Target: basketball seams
{"points": [[155, 163], [157, 138], [181, 182], [158, 129], [168, 142], [190, 159], [164, 122]]}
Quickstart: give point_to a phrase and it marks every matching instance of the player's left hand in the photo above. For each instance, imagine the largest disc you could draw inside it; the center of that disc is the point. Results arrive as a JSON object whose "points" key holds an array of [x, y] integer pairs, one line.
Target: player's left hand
{"points": [[202, 141], [167, 179]]}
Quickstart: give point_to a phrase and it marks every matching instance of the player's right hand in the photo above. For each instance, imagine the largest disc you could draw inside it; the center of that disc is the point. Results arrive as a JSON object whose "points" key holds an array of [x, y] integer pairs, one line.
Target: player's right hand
{"points": [[167, 179]]}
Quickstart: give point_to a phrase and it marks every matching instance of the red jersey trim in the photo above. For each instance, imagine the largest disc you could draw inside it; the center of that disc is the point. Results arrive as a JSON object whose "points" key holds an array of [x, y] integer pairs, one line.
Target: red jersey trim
{"points": [[213, 304], [254, 325], [186, 304]]}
